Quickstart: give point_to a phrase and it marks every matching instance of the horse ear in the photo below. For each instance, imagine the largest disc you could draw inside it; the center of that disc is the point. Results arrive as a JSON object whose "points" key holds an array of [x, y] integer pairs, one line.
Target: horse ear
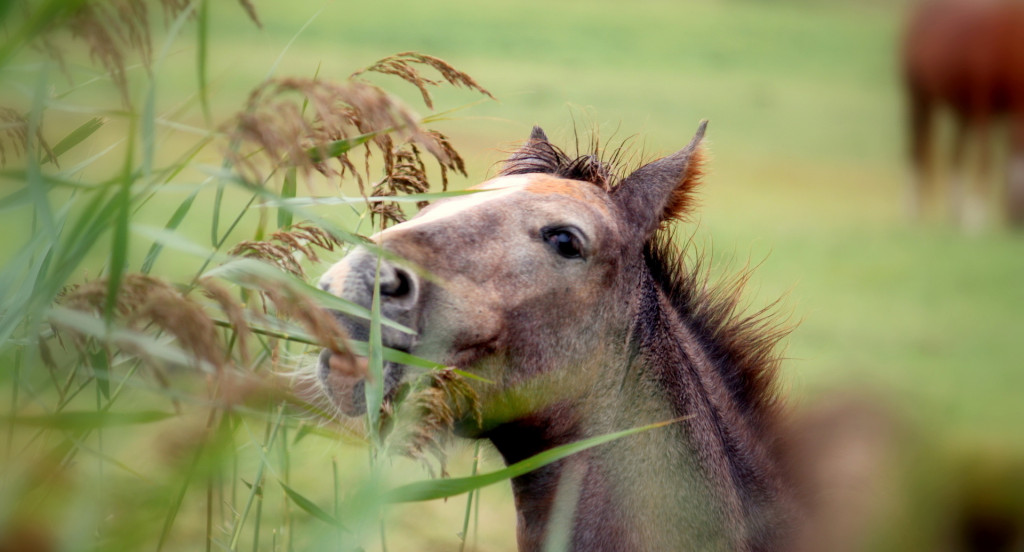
{"points": [[537, 134], [661, 191], [537, 155]]}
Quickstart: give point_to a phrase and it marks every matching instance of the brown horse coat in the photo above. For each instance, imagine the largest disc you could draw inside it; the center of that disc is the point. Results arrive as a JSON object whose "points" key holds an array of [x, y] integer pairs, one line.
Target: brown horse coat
{"points": [[562, 285]]}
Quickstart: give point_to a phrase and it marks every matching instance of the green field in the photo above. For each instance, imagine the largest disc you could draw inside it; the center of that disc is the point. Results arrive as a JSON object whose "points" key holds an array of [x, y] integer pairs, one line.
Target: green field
{"points": [[806, 174], [806, 181]]}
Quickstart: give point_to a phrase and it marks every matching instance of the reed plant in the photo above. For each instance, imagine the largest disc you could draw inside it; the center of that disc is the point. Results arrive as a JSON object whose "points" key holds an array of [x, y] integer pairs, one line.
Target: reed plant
{"points": [[155, 385], [158, 409]]}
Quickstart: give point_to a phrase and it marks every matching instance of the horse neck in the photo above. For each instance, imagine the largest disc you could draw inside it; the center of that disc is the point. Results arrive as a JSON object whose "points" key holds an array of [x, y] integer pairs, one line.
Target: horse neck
{"points": [[704, 482]]}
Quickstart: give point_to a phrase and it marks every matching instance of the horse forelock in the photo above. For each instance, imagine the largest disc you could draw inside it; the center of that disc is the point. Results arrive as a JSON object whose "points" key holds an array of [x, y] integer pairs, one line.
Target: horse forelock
{"points": [[539, 156]]}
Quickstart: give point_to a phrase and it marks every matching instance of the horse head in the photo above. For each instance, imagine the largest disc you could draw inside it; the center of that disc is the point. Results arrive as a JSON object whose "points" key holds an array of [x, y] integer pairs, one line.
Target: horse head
{"points": [[528, 274]]}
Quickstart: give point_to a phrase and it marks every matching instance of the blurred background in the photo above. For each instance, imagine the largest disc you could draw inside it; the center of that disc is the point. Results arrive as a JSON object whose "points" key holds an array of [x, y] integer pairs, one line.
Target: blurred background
{"points": [[915, 327]]}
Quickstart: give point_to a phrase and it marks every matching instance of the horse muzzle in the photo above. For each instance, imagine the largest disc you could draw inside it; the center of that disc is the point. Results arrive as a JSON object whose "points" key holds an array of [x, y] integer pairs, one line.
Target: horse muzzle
{"points": [[354, 278]]}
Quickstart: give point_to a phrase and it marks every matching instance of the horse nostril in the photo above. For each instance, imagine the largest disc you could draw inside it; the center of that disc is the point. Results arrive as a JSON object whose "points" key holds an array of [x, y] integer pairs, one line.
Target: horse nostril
{"points": [[398, 285]]}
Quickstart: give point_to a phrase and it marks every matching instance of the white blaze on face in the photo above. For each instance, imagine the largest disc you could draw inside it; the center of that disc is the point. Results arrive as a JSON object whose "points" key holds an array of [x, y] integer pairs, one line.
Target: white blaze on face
{"points": [[491, 190]]}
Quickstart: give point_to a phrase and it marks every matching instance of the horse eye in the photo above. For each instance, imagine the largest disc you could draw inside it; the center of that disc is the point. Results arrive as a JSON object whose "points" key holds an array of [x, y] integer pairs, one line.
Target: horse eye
{"points": [[564, 242]]}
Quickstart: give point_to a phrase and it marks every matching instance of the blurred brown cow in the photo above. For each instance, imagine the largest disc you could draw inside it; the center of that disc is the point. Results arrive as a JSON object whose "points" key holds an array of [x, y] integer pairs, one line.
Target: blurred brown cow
{"points": [[967, 56]]}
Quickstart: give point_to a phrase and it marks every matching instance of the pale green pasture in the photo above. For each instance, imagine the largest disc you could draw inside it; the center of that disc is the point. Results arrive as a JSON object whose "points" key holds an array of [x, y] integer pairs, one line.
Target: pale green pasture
{"points": [[806, 171]]}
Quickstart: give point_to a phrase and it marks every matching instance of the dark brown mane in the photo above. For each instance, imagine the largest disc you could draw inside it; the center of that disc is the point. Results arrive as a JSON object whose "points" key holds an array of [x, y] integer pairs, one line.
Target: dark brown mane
{"points": [[741, 346]]}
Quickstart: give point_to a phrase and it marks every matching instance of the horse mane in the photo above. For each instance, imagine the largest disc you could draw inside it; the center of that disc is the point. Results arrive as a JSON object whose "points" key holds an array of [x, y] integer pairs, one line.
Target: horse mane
{"points": [[741, 345]]}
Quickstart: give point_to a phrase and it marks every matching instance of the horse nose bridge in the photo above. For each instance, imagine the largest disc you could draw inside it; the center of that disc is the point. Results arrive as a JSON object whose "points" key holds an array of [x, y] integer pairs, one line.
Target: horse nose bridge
{"points": [[345, 277]]}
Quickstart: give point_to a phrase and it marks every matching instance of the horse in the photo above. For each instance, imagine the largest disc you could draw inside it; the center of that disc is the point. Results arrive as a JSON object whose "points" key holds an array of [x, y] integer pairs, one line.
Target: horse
{"points": [[560, 283], [966, 57]]}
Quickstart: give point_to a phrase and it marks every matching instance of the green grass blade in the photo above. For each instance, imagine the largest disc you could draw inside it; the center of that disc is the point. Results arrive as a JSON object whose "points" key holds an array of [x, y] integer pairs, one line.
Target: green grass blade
{"points": [[338, 147], [172, 224], [241, 272], [218, 199], [257, 482], [401, 357], [34, 179], [76, 137], [202, 45], [284, 216], [333, 200], [89, 161], [443, 488], [125, 339], [101, 367], [148, 135], [178, 242], [309, 506], [88, 419], [374, 387], [302, 29], [227, 176], [42, 18], [119, 247], [179, 497], [463, 536], [15, 199]]}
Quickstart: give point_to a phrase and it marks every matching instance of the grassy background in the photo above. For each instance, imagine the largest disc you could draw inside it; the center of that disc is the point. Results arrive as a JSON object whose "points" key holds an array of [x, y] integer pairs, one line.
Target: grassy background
{"points": [[806, 177], [806, 180]]}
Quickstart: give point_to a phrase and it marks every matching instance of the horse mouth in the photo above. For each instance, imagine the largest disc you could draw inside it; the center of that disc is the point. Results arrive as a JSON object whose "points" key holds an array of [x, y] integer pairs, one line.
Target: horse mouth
{"points": [[344, 377]]}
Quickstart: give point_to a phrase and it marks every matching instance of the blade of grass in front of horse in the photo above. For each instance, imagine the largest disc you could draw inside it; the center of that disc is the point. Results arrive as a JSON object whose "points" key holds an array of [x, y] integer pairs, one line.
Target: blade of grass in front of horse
{"points": [[88, 419], [202, 43], [257, 481], [284, 216], [179, 497], [326, 151], [227, 176], [75, 137], [374, 387], [242, 271], [25, 195], [148, 119], [36, 23], [310, 507], [167, 237], [50, 266], [121, 208], [302, 29], [290, 332], [334, 200], [92, 326], [469, 500], [172, 224], [332, 228], [443, 488], [34, 177]]}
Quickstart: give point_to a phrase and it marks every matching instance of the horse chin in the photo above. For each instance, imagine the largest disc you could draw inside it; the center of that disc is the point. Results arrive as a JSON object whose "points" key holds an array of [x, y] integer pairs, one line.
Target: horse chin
{"points": [[345, 381]]}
